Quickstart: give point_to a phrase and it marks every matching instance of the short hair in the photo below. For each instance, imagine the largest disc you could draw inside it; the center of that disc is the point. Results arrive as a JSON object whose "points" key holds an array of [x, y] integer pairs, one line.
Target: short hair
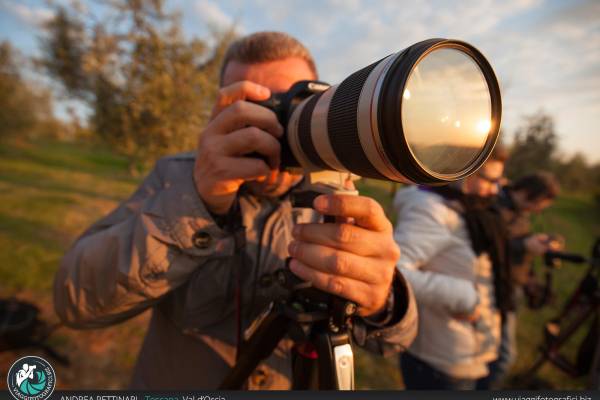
{"points": [[266, 46], [540, 185]]}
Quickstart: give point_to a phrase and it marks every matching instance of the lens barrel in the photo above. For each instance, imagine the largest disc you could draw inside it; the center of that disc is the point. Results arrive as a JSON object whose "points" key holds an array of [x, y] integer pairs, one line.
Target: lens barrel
{"points": [[359, 126]]}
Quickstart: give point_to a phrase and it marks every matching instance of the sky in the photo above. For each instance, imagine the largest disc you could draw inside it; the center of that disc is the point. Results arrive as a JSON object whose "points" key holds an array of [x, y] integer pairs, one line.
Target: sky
{"points": [[546, 53]]}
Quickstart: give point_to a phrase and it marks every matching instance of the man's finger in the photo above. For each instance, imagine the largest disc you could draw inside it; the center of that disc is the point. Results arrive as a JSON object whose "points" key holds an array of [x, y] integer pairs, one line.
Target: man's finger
{"points": [[246, 168], [350, 289], [346, 237], [337, 262], [365, 211], [242, 90], [279, 183], [250, 140], [242, 114]]}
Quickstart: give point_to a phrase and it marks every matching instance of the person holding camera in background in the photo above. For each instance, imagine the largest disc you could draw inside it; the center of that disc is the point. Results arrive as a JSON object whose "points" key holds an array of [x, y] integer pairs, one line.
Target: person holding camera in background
{"points": [[516, 202], [453, 249], [194, 240]]}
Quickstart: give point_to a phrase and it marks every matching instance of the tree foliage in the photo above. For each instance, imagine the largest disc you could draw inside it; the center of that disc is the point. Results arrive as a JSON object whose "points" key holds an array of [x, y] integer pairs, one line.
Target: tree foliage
{"points": [[534, 147], [23, 109], [575, 173], [149, 88]]}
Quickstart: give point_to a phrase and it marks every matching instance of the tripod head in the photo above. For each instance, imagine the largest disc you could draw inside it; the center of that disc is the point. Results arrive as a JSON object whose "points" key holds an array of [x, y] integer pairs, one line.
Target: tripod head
{"points": [[539, 295], [315, 184], [317, 322]]}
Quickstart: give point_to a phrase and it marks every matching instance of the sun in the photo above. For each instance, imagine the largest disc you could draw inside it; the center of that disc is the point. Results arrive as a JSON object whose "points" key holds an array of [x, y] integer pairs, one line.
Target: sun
{"points": [[484, 126]]}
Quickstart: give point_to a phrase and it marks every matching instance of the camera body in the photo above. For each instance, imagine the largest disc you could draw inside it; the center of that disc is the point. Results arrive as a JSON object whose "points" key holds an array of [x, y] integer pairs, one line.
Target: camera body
{"points": [[283, 105]]}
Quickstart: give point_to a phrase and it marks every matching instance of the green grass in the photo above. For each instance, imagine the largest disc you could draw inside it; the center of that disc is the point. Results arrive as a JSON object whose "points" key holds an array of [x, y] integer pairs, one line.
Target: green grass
{"points": [[577, 219], [52, 191]]}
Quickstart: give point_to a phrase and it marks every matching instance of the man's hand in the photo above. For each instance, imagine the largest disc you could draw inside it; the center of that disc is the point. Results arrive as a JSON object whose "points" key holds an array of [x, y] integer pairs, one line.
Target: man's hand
{"points": [[472, 317], [237, 128], [540, 243], [354, 261]]}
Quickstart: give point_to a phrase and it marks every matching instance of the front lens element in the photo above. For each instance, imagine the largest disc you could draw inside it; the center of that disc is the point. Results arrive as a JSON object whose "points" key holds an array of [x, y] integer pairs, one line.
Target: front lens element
{"points": [[446, 111]]}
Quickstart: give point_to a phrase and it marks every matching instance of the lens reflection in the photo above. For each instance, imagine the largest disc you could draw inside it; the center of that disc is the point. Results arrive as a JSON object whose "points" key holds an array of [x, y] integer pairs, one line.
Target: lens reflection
{"points": [[446, 111]]}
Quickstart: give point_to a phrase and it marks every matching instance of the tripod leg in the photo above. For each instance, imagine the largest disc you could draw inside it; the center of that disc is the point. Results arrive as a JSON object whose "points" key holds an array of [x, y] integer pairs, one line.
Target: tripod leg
{"points": [[336, 361], [305, 367], [595, 370], [594, 378], [344, 366], [260, 345], [550, 350], [526, 378]]}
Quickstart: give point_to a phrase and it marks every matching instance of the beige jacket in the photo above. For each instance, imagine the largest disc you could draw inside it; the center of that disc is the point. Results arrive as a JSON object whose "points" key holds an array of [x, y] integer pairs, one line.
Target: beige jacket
{"points": [[448, 279], [162, 250]]}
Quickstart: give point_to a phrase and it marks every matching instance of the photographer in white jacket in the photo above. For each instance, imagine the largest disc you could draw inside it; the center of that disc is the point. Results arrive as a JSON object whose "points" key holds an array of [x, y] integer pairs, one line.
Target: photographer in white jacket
{"points": [[445, 240]]}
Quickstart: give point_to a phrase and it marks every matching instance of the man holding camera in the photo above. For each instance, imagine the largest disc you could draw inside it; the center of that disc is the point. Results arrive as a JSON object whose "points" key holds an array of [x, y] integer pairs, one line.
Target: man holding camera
{"points": [[528, 195], [197, 240], [516, 202]]}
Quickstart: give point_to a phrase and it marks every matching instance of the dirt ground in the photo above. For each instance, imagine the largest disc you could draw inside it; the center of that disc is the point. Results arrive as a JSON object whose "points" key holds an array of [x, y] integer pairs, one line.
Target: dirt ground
{"points": [[99, 358]]}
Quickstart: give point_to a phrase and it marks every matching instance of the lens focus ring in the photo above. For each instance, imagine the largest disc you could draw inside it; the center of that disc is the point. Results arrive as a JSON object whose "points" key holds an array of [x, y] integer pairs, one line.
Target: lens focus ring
{"points": [[342, 125]]}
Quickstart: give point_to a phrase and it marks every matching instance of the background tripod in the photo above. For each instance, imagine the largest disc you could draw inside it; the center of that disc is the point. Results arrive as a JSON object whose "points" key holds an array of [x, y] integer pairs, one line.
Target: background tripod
{"points": [[583, 307]]}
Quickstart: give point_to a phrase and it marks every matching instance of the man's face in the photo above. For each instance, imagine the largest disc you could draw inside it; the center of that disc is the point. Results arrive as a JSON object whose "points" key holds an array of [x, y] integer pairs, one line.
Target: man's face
{"points": [[536, 205], [278, 76], [486, 180]]}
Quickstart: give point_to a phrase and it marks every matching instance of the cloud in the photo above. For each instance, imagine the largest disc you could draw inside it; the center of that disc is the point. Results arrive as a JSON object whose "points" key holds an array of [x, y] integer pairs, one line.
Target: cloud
{"points": [[34, 16], [345, 36], [546, 54], [213, 14]]}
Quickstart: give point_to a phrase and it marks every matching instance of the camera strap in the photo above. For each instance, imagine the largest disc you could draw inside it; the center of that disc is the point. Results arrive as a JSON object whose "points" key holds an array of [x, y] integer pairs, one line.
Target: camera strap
{"points": [[240, 248]]}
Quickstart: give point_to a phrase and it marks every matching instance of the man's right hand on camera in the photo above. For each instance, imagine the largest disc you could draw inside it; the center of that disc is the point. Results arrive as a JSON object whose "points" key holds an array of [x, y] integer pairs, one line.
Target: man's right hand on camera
{"points": [[237, 128]]}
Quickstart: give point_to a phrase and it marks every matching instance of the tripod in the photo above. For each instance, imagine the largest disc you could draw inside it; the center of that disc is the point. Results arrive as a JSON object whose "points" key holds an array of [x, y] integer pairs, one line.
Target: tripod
{"points": [[318, 323], [581, 308]]}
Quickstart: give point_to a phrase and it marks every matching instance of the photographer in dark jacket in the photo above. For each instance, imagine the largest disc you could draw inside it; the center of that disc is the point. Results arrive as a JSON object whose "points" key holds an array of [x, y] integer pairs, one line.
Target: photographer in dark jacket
{"points": [[516, 203]]}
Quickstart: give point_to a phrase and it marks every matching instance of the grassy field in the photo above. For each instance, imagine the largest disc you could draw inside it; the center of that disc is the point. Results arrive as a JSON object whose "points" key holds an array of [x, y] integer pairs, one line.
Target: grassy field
{"points": [[51, 191], [577, 219]]}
